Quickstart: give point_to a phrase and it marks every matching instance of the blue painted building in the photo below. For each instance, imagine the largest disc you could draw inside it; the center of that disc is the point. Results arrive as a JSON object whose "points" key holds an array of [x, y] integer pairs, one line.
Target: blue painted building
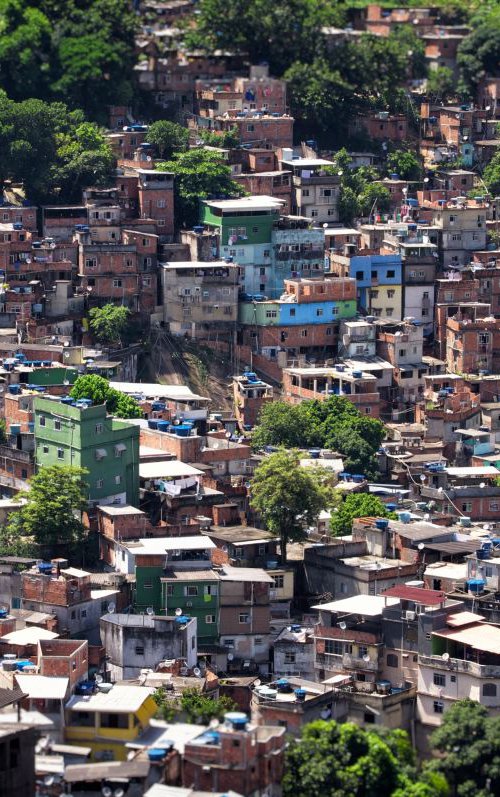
{"points": [[379, 284]]}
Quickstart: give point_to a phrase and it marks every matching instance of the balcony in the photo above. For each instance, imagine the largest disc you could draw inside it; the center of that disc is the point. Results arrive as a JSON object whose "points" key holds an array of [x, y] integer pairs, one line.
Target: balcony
{"points": [[461, 665], [344, 661]]}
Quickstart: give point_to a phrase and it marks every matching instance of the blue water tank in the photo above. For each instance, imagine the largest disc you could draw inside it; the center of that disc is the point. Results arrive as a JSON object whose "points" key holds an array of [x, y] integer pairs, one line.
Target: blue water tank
{"points": [[405, 517], [15, 390], [44, 567], [314, 453], [3, 614], [475, 585], [391, 507], [15, 428], [237, 719], [381, 523], [300, 695], [152, 424]]}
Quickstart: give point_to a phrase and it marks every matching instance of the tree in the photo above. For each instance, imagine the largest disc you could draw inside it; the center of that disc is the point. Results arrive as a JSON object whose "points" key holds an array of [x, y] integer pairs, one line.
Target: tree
{"points": [[478, 54], [272, 32], [168, 137], [80, 51], [468, 743], [441, 84], [199, 174], [57, 496], [491, 174], [51, 150], [334, 760], [335, 424], [321, 99], [354, 506], [374, 198], [108, 322], [223, 138], [287, 497], [193, 707], [97, 389], [406, 164]]}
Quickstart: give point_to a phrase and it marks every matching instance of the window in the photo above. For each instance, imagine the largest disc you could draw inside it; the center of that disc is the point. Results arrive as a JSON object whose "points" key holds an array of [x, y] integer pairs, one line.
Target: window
{"points": [[494, 505], [305, 192], [453, 679], [402, 352], [368, 410], [289, 657], [210, 619], [439, 679], [271, 313], [57, 425], [43, 420], [292, 312], [60, 453], [279, 581], [228, 643], [489, 690], [314, 213], [99, 428], [319, 311], [114, 720], [91, 262], [438, 707], [191, 592], [117, 283], [390, 294], [333, 646], [392, 660], [369, 718], [210, 589], [303, 333], [374, 275], [99, 484], [466, 507], [170, 590], [250, 128], [329, 331], [244, 618], [45, 449], [362, 651], [360, 275], [391, 274], [139, 650], [160, 203], [118, 479]]}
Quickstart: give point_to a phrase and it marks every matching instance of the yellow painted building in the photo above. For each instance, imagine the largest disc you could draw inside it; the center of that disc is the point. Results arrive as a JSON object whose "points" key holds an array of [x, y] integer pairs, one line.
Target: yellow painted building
{"points": [[386, 301], [105, 721]]}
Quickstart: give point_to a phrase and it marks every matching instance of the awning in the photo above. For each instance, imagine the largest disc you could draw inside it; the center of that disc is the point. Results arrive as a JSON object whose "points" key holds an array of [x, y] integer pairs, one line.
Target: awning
{"points": [[120, 447], [101, 452]]}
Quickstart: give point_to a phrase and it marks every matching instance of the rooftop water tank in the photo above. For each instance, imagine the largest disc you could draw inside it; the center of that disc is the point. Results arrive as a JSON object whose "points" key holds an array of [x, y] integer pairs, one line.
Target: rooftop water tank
{"points": [[405, 517], [381, 523], [475, 585], [300, 695], [237, 719]]}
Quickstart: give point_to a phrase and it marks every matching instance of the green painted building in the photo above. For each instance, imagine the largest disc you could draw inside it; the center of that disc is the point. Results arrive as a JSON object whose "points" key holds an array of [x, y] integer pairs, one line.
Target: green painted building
{"points": [[87, 437], [197, 593], [245, 228]]}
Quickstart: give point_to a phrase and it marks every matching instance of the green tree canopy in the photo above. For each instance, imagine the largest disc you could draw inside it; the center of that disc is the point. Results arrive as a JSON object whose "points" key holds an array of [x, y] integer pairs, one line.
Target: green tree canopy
{"points": [[479, 53], [441, 84], [354, 506], [97, 389], [199, 174], [334, 760], [287, 496], [51, 515], [268, 31], [193, 707], [53, 151], [406, 164], [491, 174], [468, 743], [168, 137], [107, 323], [77, 51], [335, 424]]}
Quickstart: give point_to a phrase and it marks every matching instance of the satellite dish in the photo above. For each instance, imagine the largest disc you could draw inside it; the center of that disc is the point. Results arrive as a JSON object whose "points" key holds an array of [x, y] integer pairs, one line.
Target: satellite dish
{"points": [[445, 656], [49, 780], [150, 611], [257, 682], [366, 658], [118, 792], [214, 723], [111, 607], [178, 612], [197, 672], [99, 679], [106, 791], [228, 435], [230, 656], [343, 625]]}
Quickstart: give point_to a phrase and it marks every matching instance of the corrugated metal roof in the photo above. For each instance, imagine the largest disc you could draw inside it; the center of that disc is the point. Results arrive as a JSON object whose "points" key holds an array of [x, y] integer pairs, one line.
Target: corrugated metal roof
{"points": [[481, 636], [427, 597], [75, 773]]}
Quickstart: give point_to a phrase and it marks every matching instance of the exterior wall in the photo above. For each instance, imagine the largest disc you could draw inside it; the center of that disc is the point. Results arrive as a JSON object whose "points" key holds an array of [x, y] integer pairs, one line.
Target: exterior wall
{"points": [[133, 647], [204, 606], [197, 298], [65, 659], [17, 754], [82, 434], [294, 659]]}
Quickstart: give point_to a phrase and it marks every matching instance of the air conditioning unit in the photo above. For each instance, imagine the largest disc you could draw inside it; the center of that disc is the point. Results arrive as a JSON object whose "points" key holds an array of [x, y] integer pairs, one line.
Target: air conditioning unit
{"points": [[409, 615]]}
